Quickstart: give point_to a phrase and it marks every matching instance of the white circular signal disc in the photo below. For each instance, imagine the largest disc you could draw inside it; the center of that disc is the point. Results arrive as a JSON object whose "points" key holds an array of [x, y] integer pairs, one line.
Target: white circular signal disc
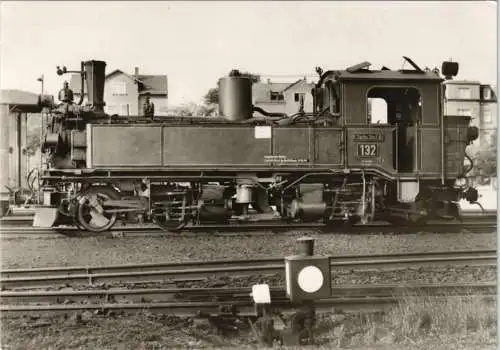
{"points": [[310, 279]]}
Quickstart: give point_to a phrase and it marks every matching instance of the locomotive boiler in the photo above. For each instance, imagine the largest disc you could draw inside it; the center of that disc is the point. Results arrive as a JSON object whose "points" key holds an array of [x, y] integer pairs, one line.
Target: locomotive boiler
{"points": [[247, 166]]}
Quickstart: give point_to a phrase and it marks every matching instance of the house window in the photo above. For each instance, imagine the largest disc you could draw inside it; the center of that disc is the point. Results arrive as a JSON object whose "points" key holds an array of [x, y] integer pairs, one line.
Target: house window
{"points": [[277, 96], [297, 96], [464, 112], [125, 109], [464, 93], [118, 88], [487, 117]]}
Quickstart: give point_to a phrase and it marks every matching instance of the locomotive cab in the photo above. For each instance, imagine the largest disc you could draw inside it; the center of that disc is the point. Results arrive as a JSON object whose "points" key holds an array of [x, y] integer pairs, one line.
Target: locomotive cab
{"points": [[395, 129], [397, 105]]}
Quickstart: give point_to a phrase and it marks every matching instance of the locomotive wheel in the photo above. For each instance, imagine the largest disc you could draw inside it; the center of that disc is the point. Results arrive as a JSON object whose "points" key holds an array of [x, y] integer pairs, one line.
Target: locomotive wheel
{"points": [[167, 225], [90, 214]]}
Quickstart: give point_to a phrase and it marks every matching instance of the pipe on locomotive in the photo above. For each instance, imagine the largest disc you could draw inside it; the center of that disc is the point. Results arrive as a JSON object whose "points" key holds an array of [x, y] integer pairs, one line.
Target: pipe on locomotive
{"points": [[82, 81], [235, 101], [269, 114]]}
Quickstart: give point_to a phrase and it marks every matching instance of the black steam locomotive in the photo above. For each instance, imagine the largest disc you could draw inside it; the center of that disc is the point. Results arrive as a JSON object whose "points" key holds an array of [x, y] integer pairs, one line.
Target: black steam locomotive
{"points": [[250, 166]]}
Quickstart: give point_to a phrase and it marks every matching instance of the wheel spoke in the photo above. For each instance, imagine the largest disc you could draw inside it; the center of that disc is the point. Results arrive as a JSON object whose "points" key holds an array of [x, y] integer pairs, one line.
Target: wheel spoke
{"points": [[98, 219]]}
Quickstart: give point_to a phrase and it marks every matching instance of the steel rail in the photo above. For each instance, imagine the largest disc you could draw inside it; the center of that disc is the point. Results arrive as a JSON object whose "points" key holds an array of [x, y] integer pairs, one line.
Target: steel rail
{"points": [[472, 221], [229, 294], [467, 223], [191, 271], [33, 233], [245, 308], [69, 270]]}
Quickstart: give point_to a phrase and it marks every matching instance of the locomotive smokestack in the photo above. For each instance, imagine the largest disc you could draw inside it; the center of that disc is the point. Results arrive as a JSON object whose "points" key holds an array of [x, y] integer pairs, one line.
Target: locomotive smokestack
{"points": [[95, 74]]}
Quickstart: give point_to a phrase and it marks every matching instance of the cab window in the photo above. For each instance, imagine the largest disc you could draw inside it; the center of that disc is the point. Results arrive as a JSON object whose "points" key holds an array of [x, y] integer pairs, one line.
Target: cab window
{"points": [[393, 105]]}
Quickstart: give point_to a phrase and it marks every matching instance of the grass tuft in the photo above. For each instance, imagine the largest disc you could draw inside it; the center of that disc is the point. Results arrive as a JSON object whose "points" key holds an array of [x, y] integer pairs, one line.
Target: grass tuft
{"points": [[415, 316], [416, 319]]}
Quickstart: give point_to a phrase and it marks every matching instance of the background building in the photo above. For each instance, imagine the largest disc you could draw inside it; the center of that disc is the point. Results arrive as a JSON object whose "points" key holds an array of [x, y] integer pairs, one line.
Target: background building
{"points": [[17, 107], [476, 100], [124, 94], [282, 97]]}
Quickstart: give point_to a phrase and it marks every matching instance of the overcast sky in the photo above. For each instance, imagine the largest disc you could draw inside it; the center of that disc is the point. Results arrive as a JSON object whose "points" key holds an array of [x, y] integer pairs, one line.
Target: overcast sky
{"points": [[195, 43]]}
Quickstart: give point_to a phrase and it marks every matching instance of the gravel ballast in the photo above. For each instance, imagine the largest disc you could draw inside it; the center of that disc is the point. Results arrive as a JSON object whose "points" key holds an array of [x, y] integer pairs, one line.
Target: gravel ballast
{"points": [[99, 251]]}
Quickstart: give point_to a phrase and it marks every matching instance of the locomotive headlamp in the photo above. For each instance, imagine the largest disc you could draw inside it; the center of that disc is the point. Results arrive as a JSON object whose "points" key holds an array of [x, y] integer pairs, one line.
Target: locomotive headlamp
{"points": [[449, 69], [471, 195], [307, 277]]}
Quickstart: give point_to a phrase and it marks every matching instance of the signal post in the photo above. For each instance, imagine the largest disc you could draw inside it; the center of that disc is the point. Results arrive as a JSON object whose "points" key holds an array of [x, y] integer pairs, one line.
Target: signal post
{"points": [[308, 278]]}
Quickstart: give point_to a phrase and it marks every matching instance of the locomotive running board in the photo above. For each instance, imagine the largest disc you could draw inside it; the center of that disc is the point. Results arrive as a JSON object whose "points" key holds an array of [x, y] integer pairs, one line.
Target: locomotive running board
{"points": [[45, 217]]}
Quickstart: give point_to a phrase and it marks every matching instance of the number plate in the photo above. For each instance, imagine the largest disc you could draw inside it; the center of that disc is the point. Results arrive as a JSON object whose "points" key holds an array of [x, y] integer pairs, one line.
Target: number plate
{"points": [[367, 150]]}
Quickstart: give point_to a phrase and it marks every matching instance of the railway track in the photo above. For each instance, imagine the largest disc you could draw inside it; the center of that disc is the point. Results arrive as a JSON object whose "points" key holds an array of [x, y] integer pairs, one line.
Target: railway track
{"points": [[203, 271], [193, 301], [156, 295], [472, 222], [37, 291]]}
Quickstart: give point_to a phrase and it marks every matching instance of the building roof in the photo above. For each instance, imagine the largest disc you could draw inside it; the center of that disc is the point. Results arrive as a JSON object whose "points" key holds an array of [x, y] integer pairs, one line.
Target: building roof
{"points": [[24, 101], [276, 87], [152, 84], [297, 83], [18, 97], [462, 82]]}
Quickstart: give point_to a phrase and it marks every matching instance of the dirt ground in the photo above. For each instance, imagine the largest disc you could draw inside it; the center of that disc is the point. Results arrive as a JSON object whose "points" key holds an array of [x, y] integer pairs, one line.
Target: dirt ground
{"points": [[154, 332]]}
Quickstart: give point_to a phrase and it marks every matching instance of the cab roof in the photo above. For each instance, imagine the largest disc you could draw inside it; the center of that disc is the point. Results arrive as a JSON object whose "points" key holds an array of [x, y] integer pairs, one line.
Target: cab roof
{"points": [[361, 71], [398, 75]]}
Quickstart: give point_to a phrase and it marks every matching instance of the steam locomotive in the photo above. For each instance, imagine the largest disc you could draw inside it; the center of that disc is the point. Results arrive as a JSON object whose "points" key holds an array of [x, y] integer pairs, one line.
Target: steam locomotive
{"points": [[248, 166]]}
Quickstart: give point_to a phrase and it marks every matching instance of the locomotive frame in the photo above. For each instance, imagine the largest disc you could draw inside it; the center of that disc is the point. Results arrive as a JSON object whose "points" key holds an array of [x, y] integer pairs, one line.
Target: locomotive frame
{"points": [[327, 166]]}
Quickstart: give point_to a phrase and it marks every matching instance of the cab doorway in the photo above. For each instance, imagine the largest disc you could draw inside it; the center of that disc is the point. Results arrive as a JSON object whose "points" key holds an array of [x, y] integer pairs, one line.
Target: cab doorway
{"points": [[401, 108]]}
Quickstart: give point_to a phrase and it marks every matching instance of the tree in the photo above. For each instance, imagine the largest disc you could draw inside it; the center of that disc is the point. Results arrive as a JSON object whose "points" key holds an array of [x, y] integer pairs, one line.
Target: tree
{"points": [[33, 141], [485, 161], [212, 96], [187, 109], [206, 110]]}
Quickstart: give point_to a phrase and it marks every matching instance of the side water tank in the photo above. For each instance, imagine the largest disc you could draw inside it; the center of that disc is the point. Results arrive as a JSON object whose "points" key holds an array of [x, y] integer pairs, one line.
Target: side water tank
{"points": [[235, 96]]}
